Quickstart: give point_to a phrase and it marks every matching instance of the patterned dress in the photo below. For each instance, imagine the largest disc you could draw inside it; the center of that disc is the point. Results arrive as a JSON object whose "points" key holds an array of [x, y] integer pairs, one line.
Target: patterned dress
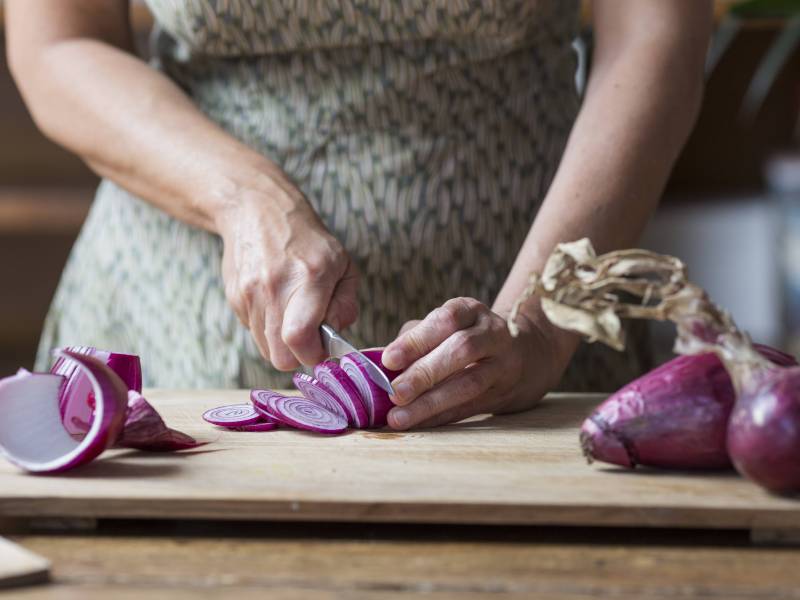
{"points": [[425, 133]]}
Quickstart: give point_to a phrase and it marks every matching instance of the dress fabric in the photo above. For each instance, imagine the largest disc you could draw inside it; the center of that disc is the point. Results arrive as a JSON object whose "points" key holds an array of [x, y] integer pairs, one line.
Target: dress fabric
{"points": [[425, 133]]}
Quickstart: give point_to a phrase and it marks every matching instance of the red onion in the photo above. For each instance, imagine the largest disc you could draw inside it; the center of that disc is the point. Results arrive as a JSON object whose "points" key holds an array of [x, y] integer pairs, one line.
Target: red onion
{"points": [[334, 378], [587, 293], [144, 429], [32, 434], [302, 413], [314, 391], [234, 415], [263, 426], [375, 399], [259, 400], [77, 401], [675, 416], [764, 431]]}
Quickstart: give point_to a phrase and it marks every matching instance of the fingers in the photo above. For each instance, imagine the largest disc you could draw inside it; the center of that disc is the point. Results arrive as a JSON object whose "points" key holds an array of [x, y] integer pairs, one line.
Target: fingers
{"points": [[408, 325], [343, 308], [304, 313], [453, 315], [458, 395], [280, 355], [463, 348]]}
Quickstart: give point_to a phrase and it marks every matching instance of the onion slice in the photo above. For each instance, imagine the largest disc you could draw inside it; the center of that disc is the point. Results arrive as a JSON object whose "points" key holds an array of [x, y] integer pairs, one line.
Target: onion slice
{"points": [[234, 415], [314, 391], [303, 413], [145, 429], [32, 435], [334, 378], [259, 400], [264, 426], [375, 399], [76, 400]]}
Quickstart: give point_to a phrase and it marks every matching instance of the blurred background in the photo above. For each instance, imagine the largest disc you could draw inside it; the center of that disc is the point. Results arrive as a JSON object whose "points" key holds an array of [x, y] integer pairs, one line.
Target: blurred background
{"points": [[731, 209]]}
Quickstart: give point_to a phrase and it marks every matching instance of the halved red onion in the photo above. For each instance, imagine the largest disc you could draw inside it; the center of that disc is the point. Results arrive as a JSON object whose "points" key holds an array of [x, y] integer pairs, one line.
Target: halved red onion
{"points": [[376, 356], [233, 415], [375, 399], [303, 413], [32, 435], [334, 378], [314, 391], [76, 401], [145, 429]]}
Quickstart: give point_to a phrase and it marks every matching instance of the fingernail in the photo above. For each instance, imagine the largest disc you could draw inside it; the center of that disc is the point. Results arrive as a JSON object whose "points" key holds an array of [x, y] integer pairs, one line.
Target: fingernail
{"points": [[402, 390], [401, 417]]}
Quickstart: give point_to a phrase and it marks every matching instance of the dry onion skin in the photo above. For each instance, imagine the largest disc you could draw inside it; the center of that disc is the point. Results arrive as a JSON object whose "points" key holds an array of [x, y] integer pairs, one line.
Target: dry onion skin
{"points": [[589, 294]]}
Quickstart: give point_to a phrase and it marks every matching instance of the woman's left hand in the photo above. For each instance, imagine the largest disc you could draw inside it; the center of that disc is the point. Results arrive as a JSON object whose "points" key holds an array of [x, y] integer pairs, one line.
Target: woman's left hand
{"points": [[461, 360]]}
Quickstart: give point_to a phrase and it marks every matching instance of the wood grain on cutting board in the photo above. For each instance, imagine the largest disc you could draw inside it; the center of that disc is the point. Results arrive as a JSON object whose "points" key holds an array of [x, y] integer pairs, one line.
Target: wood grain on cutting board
{"points": [[513, 469]]}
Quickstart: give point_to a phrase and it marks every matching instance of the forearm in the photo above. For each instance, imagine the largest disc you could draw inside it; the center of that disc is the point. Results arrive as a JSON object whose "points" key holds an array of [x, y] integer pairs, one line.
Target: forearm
{"points": [[623, 145], [135, 126]]}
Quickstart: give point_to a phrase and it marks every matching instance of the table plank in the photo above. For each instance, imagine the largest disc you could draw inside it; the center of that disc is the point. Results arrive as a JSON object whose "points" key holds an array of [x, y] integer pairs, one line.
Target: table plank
{"points": [[19, 566], [521, 469], [386, 566]]}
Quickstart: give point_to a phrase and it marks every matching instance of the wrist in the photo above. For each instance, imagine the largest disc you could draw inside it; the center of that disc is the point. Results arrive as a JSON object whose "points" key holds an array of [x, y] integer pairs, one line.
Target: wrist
{"points": [[256, 190], [561, 342]]}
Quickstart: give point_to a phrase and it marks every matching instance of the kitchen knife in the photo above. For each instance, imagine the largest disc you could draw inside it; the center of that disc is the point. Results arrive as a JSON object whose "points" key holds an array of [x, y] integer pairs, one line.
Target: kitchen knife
{"points": [[336, 347]]}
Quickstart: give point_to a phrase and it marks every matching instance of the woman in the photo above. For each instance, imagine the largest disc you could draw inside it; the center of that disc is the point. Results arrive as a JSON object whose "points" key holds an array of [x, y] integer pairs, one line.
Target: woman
{"points": [[275, 151]]}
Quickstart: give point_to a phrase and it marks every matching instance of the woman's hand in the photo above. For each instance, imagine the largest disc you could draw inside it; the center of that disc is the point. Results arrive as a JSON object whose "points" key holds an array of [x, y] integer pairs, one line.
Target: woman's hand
{"points": [[285, 274], [461, 360]]}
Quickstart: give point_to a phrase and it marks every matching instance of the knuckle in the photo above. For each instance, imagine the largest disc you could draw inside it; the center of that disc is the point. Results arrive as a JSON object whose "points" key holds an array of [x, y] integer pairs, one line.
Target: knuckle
{"points": [[295, 334], [467, 304], [466, 346], [424, 377], [446, 317]]}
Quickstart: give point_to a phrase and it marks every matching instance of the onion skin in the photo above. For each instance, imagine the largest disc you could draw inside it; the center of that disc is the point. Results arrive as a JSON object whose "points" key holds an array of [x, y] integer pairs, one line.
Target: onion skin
{"points": [[676, 416], [764, 431], [144, 429]]}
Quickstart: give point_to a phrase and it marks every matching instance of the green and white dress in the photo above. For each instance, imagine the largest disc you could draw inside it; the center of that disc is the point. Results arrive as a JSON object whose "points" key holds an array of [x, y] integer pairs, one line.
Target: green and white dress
{"points": [[424, 132]]}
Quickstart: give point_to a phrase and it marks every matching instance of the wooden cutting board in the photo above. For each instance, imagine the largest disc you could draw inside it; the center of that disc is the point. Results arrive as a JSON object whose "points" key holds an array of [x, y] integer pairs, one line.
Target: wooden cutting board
{"points": [[514, 469], [19, 566]]}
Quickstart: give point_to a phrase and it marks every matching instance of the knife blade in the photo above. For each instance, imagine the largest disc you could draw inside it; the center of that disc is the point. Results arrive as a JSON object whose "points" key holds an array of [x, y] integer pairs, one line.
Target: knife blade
{"points": [[336, 347]]}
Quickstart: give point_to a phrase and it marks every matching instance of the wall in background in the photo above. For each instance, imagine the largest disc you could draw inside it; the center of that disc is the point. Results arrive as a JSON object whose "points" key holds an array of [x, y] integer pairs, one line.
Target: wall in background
{"points": [[731, 247]]}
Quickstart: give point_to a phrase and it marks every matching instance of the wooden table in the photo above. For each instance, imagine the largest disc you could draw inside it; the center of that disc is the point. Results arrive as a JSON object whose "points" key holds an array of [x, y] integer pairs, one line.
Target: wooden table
{"points": [[497, 507]]}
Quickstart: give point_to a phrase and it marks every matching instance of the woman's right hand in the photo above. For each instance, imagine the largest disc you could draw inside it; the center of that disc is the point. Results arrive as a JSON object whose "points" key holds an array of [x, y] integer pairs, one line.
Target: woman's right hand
{"points": [[285, 274]]}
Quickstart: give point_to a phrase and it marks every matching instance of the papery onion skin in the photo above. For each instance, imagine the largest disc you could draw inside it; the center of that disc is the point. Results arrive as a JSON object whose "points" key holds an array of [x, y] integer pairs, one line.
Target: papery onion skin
{"points": [[676, 416], [764, 431]]}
